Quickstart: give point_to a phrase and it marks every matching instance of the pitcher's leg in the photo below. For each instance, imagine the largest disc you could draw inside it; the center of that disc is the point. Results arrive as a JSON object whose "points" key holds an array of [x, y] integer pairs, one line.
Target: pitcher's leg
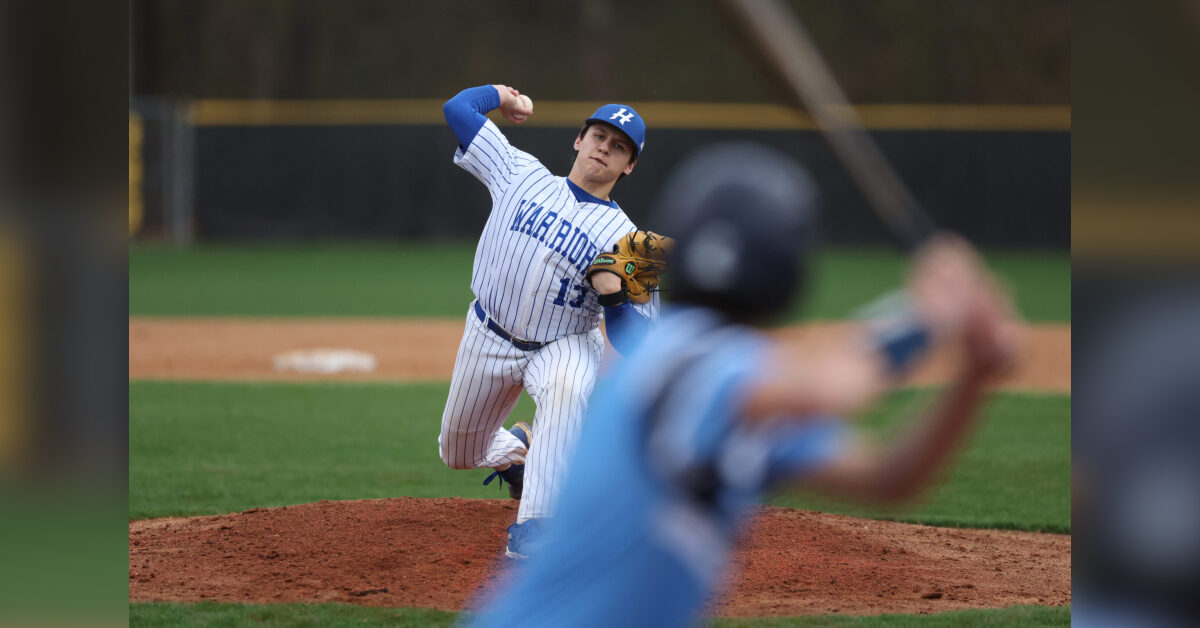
{"points": [[560, 378], [483, 391]]}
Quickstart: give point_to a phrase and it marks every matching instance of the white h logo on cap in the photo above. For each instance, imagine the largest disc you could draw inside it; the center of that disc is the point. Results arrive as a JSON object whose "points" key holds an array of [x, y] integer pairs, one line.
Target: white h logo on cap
{"points": [[622, 116]]}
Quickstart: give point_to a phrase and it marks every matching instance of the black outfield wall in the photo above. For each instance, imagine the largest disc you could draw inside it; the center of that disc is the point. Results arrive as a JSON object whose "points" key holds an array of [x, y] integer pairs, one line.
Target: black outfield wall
{"points": [[999, 188]]}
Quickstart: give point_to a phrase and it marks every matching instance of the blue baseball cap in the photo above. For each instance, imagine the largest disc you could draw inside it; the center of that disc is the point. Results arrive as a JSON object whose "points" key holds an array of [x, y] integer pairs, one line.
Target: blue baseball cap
{"points": [[627, 120]]}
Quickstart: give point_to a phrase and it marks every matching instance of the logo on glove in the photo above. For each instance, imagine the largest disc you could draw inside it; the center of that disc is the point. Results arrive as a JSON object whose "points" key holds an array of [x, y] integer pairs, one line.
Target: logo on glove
{"points": [[638, 259]]}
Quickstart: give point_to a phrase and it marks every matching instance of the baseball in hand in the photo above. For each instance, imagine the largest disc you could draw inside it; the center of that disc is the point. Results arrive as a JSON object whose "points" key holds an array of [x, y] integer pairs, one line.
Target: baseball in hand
{"points": [[526, 105]]}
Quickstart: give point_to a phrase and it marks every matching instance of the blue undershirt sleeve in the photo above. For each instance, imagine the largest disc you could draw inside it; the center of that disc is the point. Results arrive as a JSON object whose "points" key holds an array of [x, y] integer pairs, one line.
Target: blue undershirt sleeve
{"points": [[464, 112], [625, 326]]}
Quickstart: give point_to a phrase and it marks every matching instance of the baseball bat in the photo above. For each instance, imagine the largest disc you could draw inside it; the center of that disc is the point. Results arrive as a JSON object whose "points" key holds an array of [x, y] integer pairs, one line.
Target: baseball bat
{"points": [[788, 49]]}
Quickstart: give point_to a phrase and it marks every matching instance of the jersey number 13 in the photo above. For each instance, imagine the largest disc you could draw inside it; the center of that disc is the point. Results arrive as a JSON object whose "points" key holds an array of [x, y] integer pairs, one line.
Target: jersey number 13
{"points": [[564, 287]]}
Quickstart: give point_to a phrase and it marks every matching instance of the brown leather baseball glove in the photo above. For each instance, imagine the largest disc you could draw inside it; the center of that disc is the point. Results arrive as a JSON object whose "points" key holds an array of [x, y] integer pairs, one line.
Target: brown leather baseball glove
{"points": [[638, 258]]}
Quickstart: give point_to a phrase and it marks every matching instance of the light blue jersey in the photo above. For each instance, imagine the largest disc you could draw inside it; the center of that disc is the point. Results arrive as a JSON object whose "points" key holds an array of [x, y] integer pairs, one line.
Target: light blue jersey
{"points": [[664, 474]]}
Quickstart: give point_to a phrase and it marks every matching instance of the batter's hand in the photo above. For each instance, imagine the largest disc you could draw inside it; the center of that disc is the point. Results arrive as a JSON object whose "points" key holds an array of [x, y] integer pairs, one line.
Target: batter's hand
{"points": [[511, 106], [956, 296], [946, 281], [991, 338]]}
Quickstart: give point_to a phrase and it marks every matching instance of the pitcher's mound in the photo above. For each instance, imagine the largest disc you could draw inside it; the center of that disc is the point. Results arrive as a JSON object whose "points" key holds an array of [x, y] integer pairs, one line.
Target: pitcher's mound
{"points": [[440, 553]]}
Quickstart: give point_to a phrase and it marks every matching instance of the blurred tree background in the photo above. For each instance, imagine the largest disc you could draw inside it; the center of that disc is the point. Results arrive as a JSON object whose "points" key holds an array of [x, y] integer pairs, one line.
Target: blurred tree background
{"points": [[926, 51]]}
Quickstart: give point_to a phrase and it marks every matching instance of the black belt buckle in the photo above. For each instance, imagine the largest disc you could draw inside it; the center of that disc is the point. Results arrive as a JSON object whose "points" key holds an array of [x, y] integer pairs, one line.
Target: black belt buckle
{"points": [[523, 345]]}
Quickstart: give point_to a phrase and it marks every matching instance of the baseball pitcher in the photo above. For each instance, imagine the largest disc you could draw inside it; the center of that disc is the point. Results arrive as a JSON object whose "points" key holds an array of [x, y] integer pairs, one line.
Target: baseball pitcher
{"points": [[535, 319]]}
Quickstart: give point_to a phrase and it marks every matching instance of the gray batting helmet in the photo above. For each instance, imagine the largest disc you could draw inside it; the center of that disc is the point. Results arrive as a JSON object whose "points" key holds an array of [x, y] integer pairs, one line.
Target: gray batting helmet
{"points": [[743, 219]]}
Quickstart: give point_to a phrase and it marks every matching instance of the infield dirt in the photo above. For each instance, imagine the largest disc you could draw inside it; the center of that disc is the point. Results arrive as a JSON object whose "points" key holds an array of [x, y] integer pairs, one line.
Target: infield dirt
{"points": [[442, 553], [424, 349]]}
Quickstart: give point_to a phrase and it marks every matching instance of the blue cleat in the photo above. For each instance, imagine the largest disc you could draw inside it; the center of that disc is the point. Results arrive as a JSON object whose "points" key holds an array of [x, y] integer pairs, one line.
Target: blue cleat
{"points": [[514, 475], [524, 539]]}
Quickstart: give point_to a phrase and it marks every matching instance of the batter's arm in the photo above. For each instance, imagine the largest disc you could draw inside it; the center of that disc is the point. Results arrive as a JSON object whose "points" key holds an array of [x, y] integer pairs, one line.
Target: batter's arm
{"points": [[946, 284], [833, 381], [895, 473], [900, 471]]}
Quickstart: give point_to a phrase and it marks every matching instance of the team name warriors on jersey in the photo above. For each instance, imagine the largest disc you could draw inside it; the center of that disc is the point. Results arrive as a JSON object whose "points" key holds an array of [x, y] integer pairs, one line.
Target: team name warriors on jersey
{"points": [[532, 219], [547, 231]]}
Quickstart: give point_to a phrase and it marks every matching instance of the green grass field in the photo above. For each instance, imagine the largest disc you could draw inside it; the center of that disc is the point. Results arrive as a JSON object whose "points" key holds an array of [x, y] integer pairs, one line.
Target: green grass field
{"points": [[217, 447], [209, 448], [336, 615], [423, 279], [1014, 475]]}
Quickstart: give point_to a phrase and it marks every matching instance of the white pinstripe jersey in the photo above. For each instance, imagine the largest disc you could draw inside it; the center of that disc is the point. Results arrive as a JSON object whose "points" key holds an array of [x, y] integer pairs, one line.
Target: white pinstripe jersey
{"points": [[538, 241]]}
